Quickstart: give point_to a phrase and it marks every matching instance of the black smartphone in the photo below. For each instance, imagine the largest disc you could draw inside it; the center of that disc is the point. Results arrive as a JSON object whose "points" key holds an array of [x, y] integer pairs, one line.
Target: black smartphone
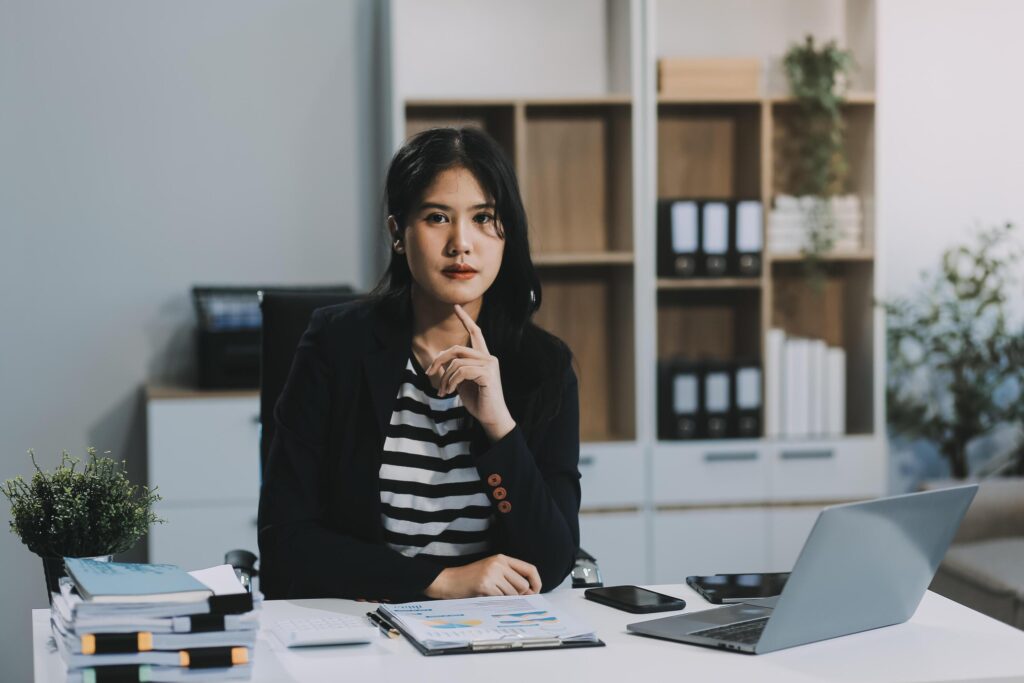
{"points": [[634, 599], [727, 588]]}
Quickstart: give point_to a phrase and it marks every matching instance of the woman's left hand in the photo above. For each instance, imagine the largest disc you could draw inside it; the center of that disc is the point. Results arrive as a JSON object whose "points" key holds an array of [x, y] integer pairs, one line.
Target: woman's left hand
{"points": [[475, 375]]}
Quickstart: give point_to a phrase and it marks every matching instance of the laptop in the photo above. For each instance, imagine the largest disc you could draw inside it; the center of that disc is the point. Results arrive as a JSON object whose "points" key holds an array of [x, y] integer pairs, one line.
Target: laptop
{"points": [[863, 566]]}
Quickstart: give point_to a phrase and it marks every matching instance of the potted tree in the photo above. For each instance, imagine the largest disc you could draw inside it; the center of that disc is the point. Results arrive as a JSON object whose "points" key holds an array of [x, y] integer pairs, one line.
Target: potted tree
{"points": [[92, 512], [956, 363]]}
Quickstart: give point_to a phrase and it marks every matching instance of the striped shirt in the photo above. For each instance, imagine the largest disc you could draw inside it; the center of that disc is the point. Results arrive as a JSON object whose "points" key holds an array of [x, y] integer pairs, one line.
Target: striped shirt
{"points": [[433, 502]]}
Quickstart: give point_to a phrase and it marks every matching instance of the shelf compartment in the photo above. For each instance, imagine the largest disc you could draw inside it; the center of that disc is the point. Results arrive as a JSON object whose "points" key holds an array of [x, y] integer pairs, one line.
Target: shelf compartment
{"points": [[712, 325], [840, 310], [496, 117], [578, 177], [709, 151], [590, 308], [589, 258]]}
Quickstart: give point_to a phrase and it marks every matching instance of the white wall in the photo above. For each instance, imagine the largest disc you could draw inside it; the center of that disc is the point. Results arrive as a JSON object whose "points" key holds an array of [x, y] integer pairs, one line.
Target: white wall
{"points": [[146, 146], [950, 126]]}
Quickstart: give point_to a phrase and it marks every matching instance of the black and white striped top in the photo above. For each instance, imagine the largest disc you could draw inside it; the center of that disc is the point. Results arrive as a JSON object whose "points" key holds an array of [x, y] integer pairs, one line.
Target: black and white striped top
{"points": [[433, 502]]}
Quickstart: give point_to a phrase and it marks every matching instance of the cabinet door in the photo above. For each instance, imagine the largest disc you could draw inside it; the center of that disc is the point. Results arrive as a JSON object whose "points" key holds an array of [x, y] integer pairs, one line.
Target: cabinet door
{"points": [[713, 472], [618, 541], [839, 469], [204, 450], [790, 527], [711, 541], [611, 476], [197, 536]]}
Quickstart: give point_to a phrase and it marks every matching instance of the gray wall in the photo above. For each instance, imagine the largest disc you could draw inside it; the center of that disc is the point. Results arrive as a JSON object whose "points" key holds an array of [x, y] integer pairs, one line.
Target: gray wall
{"points": [[146, 146]]}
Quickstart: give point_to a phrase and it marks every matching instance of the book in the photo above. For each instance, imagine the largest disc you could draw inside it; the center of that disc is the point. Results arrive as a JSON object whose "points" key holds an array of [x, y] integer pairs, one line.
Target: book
{"points": [[508, 622], [835, 391], [774, 405], [147, 673], [128, 582]]}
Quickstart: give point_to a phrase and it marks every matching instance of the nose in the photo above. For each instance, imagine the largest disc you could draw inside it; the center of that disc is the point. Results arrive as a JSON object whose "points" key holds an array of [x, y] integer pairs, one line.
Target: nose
{"points": [[459, 240]]}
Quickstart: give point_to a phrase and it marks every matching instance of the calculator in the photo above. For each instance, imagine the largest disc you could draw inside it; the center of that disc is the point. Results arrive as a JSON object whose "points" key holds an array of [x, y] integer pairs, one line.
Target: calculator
{"points": [[336, 629]]}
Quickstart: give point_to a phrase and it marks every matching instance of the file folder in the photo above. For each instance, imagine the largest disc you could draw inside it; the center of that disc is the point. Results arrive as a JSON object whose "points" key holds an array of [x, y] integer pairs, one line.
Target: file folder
{"points": [[718, 403], [678, 238], [714, 243], [748, 400], [749, 238], [679, 400]]}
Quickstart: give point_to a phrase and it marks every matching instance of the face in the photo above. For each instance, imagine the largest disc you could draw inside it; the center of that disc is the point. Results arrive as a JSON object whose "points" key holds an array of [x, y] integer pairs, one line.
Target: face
{"points": [[452, 241]]}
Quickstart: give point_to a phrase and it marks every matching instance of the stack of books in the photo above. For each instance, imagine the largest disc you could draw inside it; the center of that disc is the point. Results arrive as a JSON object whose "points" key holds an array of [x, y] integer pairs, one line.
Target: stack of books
{"points": [[789, 221], [153, 622], [805, 387]]}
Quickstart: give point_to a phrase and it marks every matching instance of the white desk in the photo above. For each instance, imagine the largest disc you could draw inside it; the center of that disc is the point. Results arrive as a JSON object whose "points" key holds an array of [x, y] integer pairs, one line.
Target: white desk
{"points": [[944, 641]]}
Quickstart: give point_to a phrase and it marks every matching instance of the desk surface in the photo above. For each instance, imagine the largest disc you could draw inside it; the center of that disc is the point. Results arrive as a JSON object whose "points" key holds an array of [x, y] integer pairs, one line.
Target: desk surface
{"points": [[944, 641]]}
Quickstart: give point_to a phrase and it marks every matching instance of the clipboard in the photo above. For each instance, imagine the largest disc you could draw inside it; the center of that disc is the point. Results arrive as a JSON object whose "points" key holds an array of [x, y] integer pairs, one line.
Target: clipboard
{"points": [[484, 646]]}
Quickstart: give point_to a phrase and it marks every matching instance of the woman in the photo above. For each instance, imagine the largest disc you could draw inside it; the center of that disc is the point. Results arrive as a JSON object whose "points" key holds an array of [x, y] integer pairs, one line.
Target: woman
{"points": [[428, 436]]}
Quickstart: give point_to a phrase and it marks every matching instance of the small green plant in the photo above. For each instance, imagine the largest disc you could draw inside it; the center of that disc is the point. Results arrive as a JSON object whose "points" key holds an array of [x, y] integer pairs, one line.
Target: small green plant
{"points": [[85, 513], [818, 79], [956, 364]]}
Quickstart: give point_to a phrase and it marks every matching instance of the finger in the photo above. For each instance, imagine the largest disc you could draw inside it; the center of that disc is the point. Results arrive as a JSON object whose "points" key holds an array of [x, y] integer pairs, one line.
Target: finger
{"points": [[505, 587], [465, 373], [445, 386], [520, 584], [527, 571], [453, 352], [476, 335]]}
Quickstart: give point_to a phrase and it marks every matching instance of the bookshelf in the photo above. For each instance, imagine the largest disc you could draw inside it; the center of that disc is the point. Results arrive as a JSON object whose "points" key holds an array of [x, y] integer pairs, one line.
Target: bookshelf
{"points": [[593, 162]]}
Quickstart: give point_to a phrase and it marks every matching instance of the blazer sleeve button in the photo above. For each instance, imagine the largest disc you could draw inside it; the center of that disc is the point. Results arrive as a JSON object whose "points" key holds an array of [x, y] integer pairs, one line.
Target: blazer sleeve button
{"points": [[504, 506], [499, 493], [494, 479]]}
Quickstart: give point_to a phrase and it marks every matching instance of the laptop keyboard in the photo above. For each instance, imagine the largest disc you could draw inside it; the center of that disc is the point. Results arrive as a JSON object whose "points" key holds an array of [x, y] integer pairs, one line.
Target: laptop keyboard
{"points": [[745, 632]]}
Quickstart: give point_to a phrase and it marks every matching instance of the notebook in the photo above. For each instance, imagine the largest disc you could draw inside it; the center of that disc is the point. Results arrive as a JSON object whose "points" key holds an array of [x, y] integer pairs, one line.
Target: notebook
{"points": [[487, 624], [124, 582]]}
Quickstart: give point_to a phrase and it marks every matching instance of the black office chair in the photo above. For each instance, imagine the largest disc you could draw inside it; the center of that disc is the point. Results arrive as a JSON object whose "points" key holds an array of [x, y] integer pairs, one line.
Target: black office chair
{"points": [[286, 315]]}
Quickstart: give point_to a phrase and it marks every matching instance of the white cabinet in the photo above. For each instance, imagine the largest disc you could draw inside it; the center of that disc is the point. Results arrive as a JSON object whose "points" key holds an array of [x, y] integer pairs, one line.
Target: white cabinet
{"points": [[710, 472], [203, 457], [611, 475], [709, 541], [619, 542], [838, 469]]}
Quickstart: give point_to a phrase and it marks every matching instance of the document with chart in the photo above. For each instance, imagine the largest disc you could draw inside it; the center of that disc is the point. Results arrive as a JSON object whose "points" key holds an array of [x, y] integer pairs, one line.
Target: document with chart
{"points": [[487, 623]]}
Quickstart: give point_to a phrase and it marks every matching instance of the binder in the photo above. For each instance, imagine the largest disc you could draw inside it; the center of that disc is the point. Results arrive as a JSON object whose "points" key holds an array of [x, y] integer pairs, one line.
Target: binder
{"points": [[679, 400], [678, 238], [775, 372], [714, 239], [835, 391], [747, 381], [718, 403], [749, 238]]}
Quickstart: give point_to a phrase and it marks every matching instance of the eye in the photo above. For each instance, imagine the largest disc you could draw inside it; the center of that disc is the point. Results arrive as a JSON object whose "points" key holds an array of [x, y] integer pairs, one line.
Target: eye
{"points": [[483, 218], [436, 217]]}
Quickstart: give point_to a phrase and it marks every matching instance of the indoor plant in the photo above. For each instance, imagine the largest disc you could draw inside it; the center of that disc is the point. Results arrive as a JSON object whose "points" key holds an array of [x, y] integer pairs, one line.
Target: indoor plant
{"points": [[818, 80], [92, 512], [956, 364]]}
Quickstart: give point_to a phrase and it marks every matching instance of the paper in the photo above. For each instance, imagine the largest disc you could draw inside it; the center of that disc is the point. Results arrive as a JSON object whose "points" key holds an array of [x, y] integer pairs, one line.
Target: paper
{"points": [[716, 228], [221, 579], [684, 227], [748, 227], [684, 394], [439, 624]]}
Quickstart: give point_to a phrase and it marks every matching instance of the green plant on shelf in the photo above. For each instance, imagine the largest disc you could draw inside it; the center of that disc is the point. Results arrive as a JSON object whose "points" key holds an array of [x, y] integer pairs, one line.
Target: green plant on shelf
{"points": [[818, 80], [956, 363], [89, 512]]}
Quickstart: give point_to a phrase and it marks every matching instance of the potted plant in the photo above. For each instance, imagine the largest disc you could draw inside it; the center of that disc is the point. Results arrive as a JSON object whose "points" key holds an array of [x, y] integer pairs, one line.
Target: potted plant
{"points": [[956, 364], [92, 512], [818, 79]]}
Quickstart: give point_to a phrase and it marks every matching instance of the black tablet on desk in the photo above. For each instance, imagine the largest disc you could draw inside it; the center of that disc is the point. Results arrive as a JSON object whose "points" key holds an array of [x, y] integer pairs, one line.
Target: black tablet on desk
{"points": [[729, 588]]}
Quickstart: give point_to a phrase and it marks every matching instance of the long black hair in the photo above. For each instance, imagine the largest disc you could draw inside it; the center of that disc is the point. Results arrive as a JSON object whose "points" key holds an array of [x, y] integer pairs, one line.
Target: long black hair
{"points": [[533, 362]]}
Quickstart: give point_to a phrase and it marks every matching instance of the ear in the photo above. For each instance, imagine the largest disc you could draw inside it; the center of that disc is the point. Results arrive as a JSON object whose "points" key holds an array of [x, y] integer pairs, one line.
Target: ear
{"points": [[396, 235]]}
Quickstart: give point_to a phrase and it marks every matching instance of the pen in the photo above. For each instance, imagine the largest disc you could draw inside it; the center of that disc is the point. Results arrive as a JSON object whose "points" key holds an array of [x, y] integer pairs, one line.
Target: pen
{"points": [[384, 626]]}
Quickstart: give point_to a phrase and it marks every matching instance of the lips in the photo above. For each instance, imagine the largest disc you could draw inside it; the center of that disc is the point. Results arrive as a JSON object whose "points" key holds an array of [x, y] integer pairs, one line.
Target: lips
{"points": [[459, 271]]}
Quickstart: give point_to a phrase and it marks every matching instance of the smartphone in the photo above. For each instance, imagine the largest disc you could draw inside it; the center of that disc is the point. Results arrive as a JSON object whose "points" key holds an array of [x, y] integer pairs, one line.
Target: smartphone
{"points": [[634, 599], [729, 588]]}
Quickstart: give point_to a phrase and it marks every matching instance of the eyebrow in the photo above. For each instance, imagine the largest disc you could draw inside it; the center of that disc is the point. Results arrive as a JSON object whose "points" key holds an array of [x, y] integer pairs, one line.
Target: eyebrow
{"points": [[445, 207]]}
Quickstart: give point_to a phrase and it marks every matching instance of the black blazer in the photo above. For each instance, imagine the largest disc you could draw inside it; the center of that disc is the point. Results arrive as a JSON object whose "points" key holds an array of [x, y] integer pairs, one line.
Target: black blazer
{"points": [[320, 531]]}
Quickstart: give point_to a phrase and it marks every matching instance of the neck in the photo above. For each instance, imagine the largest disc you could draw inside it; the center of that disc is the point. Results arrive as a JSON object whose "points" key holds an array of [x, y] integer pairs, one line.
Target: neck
{"points": [[435, 327]]}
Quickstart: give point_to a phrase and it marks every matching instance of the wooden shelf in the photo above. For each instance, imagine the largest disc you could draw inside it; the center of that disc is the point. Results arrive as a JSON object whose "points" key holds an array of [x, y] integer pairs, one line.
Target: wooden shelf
{"points": [[666, 284], [585, 258], [857, 98], [831, 257], [570, 101], [853, 98]]}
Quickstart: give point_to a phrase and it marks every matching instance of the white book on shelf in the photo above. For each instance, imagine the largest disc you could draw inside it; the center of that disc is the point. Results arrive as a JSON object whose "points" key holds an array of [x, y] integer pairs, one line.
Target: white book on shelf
{"points": [[796, 389], [774, 373], [816, 387], [835, 382]]}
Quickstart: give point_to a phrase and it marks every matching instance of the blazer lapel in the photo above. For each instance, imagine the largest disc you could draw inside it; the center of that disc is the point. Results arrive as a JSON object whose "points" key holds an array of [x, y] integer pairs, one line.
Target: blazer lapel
{"points": [[392, 326]]}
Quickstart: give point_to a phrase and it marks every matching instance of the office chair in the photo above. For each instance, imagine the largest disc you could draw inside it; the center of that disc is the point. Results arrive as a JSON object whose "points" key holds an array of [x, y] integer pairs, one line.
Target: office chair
{"points": [[286, 315]]}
